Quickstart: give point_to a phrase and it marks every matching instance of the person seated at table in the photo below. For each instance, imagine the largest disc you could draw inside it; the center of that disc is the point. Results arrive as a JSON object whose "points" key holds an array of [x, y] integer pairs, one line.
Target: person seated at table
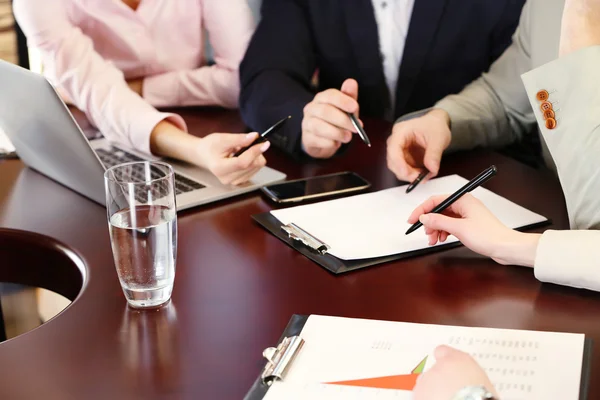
{"points": [[318, 60], [572, 136], [117, 60]]}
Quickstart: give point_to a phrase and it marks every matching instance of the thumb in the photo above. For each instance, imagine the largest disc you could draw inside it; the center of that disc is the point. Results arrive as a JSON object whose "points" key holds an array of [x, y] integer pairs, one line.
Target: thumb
{"points": [[234, 140], [350, 87], [433, 157], [443, 351], [441, 222]]}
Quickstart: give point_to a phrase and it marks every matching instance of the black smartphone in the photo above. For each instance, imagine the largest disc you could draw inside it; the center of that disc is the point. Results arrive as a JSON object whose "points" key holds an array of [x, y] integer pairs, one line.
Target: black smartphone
{"points": [[317, 187]]}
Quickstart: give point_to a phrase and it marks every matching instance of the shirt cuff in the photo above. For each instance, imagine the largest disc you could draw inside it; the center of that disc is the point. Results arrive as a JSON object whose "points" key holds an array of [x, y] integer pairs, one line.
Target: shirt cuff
{"points": [[569, 258], [140, 134], [162, 90]]}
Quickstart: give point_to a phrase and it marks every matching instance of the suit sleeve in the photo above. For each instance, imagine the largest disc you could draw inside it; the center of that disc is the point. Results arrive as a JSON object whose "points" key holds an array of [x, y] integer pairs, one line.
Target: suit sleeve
{"points": [[276, 72], [230, 25], [94, 85], [494, 111], [569, 258], [572, 258]]}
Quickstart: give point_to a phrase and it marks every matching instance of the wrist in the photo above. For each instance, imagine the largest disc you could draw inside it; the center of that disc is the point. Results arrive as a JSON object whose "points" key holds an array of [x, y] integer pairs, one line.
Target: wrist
{"points": [[517, 248], [167, 140], [441, 114], [475, 393], [198, 151]]}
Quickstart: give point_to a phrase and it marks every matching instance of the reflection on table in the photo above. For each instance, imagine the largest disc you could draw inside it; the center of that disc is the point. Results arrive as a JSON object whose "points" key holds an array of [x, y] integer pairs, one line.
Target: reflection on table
{"points": [[25, 308]]}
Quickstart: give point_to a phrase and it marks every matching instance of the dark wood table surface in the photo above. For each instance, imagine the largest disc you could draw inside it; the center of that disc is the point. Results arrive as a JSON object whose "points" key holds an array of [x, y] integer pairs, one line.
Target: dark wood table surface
{"points": [[237, 286]]}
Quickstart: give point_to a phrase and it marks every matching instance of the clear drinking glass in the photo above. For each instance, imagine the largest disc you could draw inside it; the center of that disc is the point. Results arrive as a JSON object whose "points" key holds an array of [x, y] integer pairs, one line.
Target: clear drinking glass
{"points": [[142, 219]]}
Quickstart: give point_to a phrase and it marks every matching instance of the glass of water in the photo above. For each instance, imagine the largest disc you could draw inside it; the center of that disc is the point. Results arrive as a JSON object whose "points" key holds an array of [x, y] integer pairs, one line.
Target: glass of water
{"points": [[142, 219]]}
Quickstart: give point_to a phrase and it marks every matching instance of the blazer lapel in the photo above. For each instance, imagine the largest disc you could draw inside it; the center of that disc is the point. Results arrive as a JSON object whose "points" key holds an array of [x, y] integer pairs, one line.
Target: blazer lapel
{"points": [[364, 41], [423, 27]]}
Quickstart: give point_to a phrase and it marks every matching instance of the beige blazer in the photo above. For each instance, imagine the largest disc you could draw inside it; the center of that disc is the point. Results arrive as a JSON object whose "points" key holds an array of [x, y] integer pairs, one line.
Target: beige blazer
{"points": [[502, 106]]}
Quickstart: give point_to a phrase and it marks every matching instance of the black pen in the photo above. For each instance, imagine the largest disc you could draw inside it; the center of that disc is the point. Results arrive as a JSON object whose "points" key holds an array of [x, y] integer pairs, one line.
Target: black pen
{"points": [[262, 137], [472, 185], [414, 184], [359, 129]]}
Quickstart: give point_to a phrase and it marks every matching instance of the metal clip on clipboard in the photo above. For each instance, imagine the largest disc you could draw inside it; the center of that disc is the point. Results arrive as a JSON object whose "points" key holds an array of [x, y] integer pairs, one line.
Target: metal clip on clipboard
{"points": [[279, 359], [296, 233]]}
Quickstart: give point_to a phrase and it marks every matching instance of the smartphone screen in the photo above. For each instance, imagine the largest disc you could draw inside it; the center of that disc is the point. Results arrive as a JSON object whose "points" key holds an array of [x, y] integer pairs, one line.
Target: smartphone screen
{"points": [[316, 187]]}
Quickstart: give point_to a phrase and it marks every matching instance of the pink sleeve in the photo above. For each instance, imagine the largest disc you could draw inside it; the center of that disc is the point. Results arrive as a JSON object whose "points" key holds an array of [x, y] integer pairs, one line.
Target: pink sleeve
{"points": [[230, 26], [93, 84]]}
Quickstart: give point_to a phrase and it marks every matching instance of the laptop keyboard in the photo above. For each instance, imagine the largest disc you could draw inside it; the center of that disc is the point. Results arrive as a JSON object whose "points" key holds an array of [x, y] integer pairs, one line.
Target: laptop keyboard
{"points": [[116, 157]]}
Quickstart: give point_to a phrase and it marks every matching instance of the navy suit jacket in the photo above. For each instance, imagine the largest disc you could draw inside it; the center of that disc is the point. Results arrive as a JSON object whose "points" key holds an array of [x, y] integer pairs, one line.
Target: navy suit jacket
{"points": [[449, 44]]}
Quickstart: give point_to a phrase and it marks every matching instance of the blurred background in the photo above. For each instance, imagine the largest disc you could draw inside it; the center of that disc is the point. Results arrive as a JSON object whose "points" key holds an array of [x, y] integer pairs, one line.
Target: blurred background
{"points": [[8, 36]]}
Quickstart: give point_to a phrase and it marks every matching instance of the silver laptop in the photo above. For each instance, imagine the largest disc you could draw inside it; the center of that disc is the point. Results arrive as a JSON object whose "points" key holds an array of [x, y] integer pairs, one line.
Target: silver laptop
{"points": [[48, 139]]}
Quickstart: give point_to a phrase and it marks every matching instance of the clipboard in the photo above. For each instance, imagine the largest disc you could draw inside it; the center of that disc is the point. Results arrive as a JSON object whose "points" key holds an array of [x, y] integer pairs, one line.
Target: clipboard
{"points": [[317, 251], [294, 327]]}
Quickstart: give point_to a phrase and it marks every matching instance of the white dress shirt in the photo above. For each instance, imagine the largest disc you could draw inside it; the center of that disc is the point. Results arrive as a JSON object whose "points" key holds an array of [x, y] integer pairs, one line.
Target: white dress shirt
{"points": [[393, 19]]}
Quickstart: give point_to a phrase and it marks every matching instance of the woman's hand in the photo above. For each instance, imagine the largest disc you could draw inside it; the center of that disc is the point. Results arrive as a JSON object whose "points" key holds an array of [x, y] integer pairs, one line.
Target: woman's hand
{"points": [[214, 152], [453, 370], [477, 228]]}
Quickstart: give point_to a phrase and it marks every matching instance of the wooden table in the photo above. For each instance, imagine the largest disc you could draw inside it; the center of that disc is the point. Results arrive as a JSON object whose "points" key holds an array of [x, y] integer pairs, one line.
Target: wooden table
{"points": [[236, 286]]}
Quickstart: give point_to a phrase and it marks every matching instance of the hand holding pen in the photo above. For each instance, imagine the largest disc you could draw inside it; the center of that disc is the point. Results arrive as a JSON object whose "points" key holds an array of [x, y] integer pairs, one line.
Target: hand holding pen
{"points": [[263, 137], [327, 123], [469, 187]]}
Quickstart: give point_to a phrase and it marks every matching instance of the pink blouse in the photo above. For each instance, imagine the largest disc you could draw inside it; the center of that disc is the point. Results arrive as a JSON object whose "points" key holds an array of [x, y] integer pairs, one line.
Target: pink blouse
{"points": [[89, 48]]}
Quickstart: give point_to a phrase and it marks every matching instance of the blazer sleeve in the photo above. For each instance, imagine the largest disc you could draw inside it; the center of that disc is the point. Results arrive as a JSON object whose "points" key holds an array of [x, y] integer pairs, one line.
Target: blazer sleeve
{"points": [[575, 141], [569, 258], [572, 258], [229, 24], [277, 70], [93, 84], [494, 111]]}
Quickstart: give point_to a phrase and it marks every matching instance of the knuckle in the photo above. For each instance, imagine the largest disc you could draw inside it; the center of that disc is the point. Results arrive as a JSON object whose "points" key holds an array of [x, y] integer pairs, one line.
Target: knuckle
{"points": [[307, 108]]}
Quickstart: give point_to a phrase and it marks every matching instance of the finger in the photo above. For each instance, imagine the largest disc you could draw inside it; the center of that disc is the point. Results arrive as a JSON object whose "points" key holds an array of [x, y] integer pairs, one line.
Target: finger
{"points": [[442, 223], [245, 177], [433, 157], [243, 162], [444, 351], [228, 142], [330, 114], [433, 238], [320, 127], [338, 99], [398, 165], [426, 207], [398, 146], [443, 236], [321, 143], [350, 88], [240, 176]]}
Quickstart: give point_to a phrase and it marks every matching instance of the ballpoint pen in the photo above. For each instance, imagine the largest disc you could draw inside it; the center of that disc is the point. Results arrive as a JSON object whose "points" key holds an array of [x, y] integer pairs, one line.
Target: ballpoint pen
{"points": [[414, 183], [472, 185], [263, 136], [359, 129]]}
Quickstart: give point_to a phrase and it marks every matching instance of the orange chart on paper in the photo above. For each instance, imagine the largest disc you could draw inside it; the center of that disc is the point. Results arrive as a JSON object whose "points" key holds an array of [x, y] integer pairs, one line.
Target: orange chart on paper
{"points": [[398, 382]]}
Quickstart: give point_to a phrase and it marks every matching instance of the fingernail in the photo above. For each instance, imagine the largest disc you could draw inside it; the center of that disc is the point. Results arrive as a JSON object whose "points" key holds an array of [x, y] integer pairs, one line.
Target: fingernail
{"points": [[424, 218], [348, 136], [251, 135], [265, 146]]}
